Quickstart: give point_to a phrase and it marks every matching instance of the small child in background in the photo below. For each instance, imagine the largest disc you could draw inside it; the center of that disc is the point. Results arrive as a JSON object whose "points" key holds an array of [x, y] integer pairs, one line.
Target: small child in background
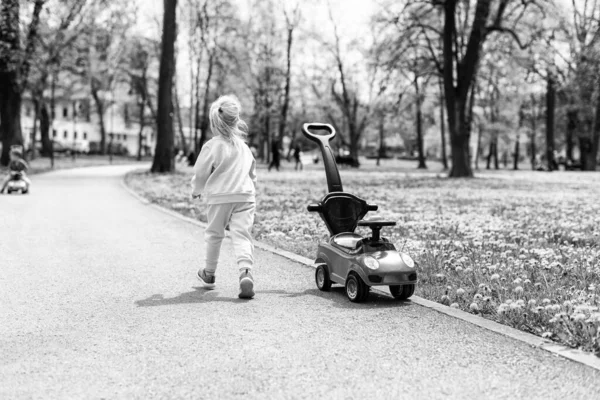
{"points": [[225, 173], [17, 167]]}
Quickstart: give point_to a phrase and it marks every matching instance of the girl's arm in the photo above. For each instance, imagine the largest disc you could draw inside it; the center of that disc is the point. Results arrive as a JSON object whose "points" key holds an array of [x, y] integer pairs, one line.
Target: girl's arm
{"points": [[253, 172], [202, 169]]}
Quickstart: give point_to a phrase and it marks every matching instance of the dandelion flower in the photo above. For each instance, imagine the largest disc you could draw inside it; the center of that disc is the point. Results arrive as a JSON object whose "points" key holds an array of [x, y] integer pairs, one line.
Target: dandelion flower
{"points": [[494, 277], [458, 269], [546, 301], [579, 317], [518, 290], [474, 307], [460, 292], [454, 305], [477, 296], [445, 299], [547, 335], [532, 302]]}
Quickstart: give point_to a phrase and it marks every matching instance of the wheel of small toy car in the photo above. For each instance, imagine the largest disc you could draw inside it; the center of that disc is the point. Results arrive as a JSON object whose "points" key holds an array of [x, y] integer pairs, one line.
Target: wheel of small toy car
{"points": [[402, 292], [322, 278], [356, 290]]}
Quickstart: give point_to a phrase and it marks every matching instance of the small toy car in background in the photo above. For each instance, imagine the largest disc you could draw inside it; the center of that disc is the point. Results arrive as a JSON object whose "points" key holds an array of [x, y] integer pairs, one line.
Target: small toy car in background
{"points": [[17, 185]]}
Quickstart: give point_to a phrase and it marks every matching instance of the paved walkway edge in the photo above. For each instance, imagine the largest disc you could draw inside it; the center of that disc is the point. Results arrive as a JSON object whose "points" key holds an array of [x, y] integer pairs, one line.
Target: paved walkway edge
{"points": [[535, 341]]}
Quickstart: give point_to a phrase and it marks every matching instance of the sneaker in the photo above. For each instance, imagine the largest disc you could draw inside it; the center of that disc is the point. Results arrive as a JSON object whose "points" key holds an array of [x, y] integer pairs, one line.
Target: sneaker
{"points": [[207, 280], [246, 285]]}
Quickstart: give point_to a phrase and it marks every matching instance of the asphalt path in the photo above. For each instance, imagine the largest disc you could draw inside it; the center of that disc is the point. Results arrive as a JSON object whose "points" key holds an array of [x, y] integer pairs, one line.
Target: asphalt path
{"points": [[99, 299]]}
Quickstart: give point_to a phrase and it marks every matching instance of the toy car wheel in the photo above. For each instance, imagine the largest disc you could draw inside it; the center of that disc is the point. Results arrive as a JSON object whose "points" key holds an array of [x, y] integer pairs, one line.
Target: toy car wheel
{"points": [[322, 278], [402, 292], [356, 290]]}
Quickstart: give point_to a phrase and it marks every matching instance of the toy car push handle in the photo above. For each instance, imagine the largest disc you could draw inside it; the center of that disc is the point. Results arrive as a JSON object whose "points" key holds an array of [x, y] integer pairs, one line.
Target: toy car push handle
{"points": [[334, 182]]}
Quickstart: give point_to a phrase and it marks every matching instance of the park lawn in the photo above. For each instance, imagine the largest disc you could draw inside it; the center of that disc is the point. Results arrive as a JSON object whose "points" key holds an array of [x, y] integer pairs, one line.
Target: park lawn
{"points": [[42, 164], [520, 248]]}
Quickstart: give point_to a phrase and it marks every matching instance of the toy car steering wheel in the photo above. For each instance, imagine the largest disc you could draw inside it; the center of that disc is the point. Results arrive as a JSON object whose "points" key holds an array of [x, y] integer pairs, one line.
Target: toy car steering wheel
{"points": [[376, 226]]}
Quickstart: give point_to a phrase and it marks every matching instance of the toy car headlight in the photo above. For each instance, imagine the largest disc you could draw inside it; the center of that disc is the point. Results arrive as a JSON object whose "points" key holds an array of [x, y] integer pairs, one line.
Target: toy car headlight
{"points": [[370, 262], [406, 259]]}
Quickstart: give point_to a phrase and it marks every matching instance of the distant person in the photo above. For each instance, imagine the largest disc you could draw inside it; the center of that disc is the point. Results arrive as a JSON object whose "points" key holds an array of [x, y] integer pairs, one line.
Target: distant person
{"points": [[17, 168], [275, 155], [191, 158], [298, 158], [225, 173]]}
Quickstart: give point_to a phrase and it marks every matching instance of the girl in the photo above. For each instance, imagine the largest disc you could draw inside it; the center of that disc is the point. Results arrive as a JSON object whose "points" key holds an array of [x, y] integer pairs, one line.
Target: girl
{"points": [[225, 172]]}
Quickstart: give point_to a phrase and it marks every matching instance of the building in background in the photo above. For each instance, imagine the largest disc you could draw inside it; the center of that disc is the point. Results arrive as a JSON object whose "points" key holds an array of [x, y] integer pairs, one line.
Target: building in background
{"points": [[76, 125]]}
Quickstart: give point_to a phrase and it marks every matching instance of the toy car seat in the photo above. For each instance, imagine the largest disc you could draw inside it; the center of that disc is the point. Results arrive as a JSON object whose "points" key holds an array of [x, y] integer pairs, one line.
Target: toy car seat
{"points": [[342, 212]]}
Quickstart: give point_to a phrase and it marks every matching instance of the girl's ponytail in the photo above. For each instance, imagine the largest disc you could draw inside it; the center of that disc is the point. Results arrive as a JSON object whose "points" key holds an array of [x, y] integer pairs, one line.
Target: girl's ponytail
{"points": [[225, 118]]}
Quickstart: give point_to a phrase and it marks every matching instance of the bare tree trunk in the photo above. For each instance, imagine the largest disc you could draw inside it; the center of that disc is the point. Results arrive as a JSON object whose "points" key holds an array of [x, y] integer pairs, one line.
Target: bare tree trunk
{"points": [[550, 107], [14, 71], [36, 115], [571, 126], [179, 120], [205, 108], [197, 110], [532, 139], [45, 129], [142, 125], [590, 160], [421, 151], [10, 110], [381, 151], [100, 111], [517, 154], [288, 73], [163, 154], [496, 165], [457, 98], [478, 151], [443, 127]]}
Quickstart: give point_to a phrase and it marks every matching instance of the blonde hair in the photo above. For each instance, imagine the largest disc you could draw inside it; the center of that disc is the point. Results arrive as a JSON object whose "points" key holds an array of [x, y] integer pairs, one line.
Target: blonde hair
{"points": [[225, 118]]}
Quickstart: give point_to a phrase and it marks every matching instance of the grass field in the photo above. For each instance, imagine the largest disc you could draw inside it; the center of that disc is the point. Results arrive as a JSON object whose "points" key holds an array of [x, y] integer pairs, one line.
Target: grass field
{"points": [[521, 248]]}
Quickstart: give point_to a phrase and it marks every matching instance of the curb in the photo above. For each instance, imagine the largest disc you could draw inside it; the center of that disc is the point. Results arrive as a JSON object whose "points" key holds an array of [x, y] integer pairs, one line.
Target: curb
{"points": [[535, 341]]}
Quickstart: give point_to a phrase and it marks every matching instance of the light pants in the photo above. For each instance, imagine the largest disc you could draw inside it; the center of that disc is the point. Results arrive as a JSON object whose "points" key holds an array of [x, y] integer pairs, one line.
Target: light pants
{"points": [[239, 217]]}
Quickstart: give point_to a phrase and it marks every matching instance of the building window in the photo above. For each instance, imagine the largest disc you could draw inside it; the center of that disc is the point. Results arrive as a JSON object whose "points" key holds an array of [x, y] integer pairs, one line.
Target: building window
{"points": [[65, 134], [75, 135], [65, 112], [85, 135], [53, 132]]}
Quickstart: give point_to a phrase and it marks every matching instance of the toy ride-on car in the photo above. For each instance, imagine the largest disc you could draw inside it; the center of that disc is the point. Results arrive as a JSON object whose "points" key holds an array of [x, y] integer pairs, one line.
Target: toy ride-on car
{"points": [[16, 184], [347, 258]]}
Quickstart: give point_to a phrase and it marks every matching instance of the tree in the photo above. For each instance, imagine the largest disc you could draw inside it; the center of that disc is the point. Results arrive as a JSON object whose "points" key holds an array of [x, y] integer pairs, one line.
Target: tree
{"points": [[347, 96], [141, 56], [58, 34], [15, 63], [291, 23], [463, 26], [163, 154]]}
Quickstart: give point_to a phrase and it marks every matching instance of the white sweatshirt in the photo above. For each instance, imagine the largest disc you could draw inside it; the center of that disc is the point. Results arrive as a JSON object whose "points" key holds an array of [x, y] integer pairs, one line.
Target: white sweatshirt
{"points": [[225, 172]]}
